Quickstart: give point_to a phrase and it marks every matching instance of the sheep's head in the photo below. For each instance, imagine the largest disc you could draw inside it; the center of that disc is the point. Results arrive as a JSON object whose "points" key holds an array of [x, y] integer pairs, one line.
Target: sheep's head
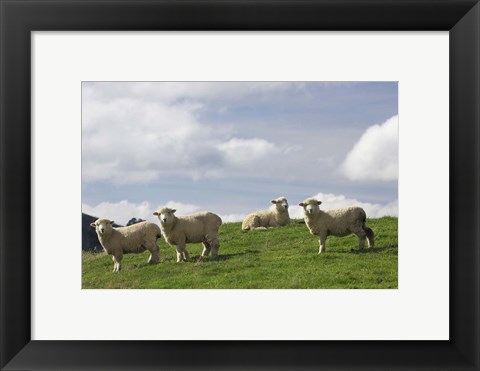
{"points": [[310, 206], [102, 226], [165, 215], [281, 204]]}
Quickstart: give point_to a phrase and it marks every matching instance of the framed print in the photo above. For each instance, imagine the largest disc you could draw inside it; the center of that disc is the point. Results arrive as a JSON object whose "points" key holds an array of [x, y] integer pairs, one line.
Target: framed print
{"points": [[213, 106], [227, 149]]}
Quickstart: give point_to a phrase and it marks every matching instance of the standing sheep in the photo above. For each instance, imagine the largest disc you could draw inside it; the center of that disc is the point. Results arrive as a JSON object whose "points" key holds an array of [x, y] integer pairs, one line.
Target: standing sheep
{"points": [[200, 227], [135, 239], [338, 222], [277, 216]]}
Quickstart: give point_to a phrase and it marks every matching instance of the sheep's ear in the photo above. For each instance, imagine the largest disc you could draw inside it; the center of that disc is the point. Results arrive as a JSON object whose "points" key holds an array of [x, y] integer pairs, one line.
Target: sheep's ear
{"points": [[319, 202], [274, 201], [174, 210], [93, 225], [301, 204], [155, 213], [111, 222]]}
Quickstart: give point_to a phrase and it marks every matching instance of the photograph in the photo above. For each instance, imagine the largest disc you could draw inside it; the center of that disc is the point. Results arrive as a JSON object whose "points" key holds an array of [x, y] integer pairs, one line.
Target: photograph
{"points": [[240, 185]]}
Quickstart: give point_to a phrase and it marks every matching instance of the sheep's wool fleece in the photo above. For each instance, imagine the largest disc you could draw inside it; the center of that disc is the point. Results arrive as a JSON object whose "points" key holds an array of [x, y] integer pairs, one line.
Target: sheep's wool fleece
{"points": [[133, 238], [267, 218], [335, 222], [198, 227]]}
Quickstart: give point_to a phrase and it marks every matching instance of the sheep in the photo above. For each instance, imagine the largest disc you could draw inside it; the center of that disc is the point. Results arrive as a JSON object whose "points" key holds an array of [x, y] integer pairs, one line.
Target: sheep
{"points": [[338, 222], [135, 238], [276, 216], [200, 227]]}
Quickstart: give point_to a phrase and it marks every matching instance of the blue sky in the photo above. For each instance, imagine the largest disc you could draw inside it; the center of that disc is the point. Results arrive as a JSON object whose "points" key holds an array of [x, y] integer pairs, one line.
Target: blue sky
{"points": [[231, 147]]}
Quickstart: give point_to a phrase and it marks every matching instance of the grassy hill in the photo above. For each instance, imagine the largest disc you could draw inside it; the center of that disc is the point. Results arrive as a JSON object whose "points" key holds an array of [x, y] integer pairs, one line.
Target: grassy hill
{"points": [[277, 258]]}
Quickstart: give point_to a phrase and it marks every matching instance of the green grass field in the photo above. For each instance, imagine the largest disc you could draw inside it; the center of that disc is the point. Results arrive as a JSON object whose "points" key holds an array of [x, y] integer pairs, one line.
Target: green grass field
{"points": [[278, 258]]}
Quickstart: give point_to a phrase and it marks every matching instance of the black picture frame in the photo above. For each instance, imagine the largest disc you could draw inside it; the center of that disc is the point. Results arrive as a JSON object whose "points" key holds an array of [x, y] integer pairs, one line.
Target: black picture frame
{"points": [[18, 18]]}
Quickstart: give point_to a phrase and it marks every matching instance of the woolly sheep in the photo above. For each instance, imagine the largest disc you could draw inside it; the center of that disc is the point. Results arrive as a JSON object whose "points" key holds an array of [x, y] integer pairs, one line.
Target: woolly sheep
{"points": [[276, 216], [126, 240], [338, 222], [200, 227]]}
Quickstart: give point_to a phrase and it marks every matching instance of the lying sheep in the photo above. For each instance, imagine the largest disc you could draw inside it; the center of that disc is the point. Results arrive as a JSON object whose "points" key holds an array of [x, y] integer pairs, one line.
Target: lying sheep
{"points": [[338, 222], [277, 216], [126, 240], [200, 227]]}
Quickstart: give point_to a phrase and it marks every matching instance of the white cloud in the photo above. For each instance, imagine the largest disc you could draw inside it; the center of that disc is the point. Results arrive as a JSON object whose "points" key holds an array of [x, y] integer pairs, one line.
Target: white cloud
{"points": [[332, 201], [139, 133], [170, 92], [240, 152], [128, 141], [121, 212], [295, 212], [375, 156], [292, 149], [232, 218], [143, 132], [182, 209]]}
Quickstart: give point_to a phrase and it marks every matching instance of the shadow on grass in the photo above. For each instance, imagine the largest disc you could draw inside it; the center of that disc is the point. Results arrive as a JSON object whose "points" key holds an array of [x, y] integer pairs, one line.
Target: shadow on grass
{"points": [[141, 265], [377, 249], [193, 259], [223, 257]]}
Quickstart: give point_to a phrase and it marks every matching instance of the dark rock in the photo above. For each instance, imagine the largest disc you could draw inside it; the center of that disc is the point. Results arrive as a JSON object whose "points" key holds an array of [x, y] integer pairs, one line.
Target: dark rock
{"points": [[134, 221]]}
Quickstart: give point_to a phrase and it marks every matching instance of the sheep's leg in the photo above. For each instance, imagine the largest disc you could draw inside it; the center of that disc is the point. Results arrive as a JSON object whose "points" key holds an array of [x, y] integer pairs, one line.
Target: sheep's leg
{"points": [[370, 236], [179, 256], [361, 238], [206, 248], [361, 242], [215, 246], [322, 249], [182, 254], [154, 256], [117, 262], [256, 224]]}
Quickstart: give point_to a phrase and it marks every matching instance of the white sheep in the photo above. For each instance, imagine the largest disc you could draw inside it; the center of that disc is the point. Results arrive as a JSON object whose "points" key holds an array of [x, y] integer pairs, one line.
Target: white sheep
{"points": [[276, 216], [200, 227], [338, 222], [135, 238]]}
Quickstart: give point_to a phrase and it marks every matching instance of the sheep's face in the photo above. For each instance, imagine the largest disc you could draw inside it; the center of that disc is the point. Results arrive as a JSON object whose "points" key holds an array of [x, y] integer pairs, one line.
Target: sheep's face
{"points": [[102, 226], [165, 215], [310, 206], [281, 204]]}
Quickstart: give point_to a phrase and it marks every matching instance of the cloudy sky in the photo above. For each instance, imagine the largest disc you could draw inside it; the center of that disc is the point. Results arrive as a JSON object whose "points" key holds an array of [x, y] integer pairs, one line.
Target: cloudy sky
{"points": [[230, 147]]}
